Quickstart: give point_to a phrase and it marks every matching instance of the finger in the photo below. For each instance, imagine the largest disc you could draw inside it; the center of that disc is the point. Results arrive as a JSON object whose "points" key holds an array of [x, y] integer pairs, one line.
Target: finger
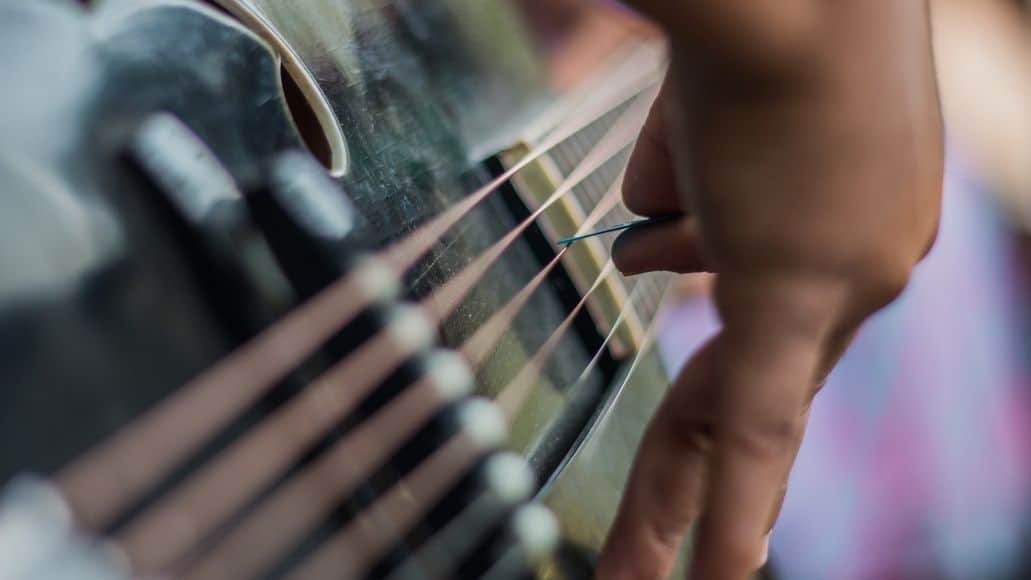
{"points": [[664, 492], [649, 185], [769, 356], [778, 504], [665, 246]]}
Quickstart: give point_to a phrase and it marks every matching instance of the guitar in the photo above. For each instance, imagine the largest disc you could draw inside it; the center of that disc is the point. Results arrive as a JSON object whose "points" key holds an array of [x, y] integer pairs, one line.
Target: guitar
{"points": [[279, 272]]}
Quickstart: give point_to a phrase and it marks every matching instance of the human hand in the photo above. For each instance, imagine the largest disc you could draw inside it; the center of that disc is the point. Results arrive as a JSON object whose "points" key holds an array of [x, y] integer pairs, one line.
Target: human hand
{"points": [[807, 158]]}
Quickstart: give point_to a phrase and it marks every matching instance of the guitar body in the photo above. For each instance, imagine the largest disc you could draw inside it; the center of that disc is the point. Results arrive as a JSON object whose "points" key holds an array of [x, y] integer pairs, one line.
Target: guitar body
{"points": [[121, 281]]}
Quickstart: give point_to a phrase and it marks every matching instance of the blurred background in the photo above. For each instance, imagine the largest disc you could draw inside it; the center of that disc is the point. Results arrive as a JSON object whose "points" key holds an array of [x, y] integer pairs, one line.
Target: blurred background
{"points": [[917, 464]]}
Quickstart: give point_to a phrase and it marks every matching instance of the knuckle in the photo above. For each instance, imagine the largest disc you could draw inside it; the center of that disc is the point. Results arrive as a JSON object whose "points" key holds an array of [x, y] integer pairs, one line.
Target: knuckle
{"points": [[885, 280], [776, 41], [694, 435], [739, 552], [885, 271], [763, 439]]}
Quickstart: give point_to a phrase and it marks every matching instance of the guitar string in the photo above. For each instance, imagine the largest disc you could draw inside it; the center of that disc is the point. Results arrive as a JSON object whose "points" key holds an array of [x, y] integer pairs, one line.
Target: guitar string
{"points": [[160, 522], [404, 254], [512, 396], [350, 552], [339, 553], [247, 543], [509, 571], [357, 547], [478, 346], [438, 556], [616, 324], [163, 528], [112, 475], [273, 525], [167, 531], [256, 459], [221, 487], [170, 529], [647, 341], [252, 462], [513, 562], [555, 197], [208, 506], [618, 138]]}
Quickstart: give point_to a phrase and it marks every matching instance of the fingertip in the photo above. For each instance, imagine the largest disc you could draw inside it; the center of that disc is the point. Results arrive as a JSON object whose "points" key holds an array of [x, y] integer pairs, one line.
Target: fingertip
{"points": [[665, 246], [625, 253]]}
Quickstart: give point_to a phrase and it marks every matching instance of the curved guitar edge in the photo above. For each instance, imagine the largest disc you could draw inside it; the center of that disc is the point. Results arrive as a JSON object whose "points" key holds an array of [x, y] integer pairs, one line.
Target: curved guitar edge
{"points": [[586, 490], [585, 493], [194, 61], [252, 18]]}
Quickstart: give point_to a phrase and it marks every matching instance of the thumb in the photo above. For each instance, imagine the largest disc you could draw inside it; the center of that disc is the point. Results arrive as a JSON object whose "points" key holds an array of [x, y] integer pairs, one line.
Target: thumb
{"points": [[665, 246]]}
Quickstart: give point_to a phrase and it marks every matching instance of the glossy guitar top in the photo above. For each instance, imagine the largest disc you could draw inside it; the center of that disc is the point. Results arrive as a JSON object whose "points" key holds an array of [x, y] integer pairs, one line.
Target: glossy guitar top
{"points": [[152, 226]]}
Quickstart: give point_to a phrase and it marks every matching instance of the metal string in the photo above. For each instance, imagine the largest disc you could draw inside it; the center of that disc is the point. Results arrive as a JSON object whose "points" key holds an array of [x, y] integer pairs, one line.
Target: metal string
{"points": [[109, 478], [512, 396], [477, 347], [114, 474], [620, 136], [266, 532]]}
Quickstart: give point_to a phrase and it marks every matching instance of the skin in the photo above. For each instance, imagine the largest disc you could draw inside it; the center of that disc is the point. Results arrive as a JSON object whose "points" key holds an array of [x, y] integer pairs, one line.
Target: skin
{"points": [[803, 141]]}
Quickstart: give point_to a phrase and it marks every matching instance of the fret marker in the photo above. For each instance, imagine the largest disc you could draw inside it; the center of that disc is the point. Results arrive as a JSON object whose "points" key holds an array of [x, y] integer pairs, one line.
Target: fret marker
{"points": [[627, 226]]}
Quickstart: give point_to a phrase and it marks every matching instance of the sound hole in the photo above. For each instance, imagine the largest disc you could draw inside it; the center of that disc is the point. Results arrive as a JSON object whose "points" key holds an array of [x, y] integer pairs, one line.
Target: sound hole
{"points": [[307, 123], [311, 112], [318, 128]]}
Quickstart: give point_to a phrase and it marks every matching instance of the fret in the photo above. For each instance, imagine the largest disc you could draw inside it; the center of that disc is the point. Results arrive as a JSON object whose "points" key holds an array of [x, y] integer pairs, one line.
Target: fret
{"points": [[565, 221]]}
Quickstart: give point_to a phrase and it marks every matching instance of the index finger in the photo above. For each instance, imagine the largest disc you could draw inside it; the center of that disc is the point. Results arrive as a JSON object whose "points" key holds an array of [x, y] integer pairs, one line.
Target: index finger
{"points": [[768, 361], [649, 186]]}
